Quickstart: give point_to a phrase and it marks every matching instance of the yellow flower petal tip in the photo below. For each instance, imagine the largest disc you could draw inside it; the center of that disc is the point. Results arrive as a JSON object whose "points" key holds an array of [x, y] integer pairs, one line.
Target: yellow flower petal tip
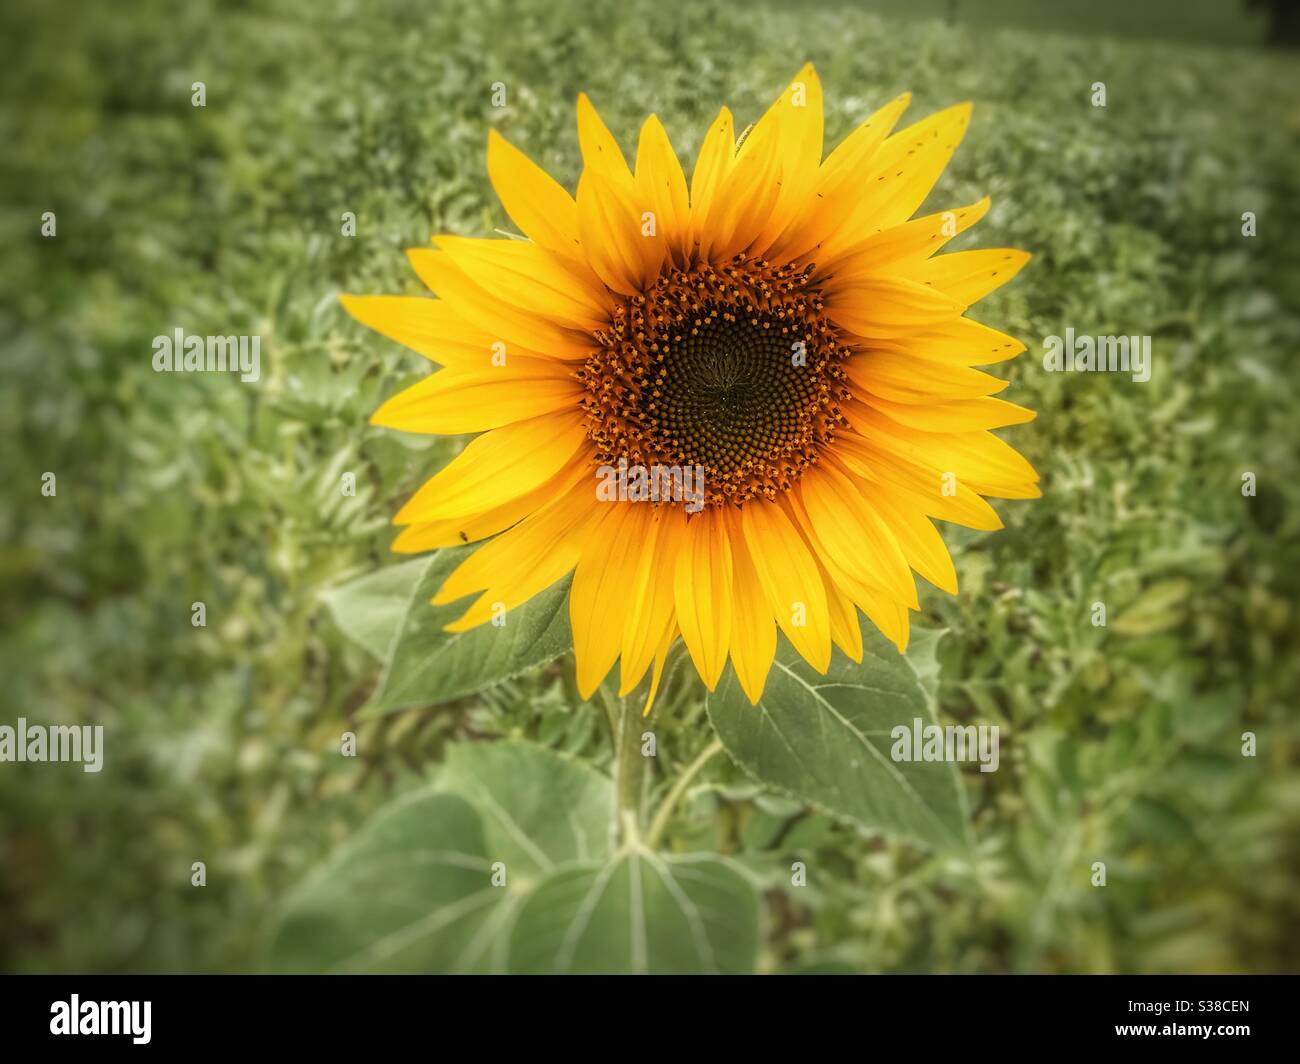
{"points": [[730, 400]]}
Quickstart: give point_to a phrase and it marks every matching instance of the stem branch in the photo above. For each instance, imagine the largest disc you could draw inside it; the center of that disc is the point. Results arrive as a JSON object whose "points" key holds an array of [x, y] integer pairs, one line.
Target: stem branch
{"points": [[629, 765], [665, 811]]}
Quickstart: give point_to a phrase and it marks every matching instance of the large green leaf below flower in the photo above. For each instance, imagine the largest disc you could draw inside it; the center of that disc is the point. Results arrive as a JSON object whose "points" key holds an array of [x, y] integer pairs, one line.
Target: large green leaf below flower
{"points": [[826, 739], [642, 913], [505, 864], [540, 810], [410, 892]]}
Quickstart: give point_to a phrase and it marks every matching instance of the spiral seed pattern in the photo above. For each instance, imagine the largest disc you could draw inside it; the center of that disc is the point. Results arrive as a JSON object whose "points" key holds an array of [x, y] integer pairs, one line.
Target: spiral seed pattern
{"points": [[734, 368]]}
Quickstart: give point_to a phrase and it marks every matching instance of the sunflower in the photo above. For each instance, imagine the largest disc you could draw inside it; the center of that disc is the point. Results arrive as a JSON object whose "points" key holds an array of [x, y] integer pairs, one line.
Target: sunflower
{"points": [[780, 324]]}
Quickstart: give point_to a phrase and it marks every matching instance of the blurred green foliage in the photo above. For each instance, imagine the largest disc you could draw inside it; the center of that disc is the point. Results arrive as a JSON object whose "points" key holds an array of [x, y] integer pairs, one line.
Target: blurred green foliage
{"points": [[1120, 744]]}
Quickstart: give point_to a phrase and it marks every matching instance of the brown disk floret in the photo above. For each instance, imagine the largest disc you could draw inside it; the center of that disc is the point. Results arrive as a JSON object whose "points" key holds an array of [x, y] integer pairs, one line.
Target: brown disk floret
{"points": [[734, 368]]}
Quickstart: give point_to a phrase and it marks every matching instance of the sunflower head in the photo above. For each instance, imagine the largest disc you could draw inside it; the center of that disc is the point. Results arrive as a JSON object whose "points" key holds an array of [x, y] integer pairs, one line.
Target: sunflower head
{"points": [[727, 407]]}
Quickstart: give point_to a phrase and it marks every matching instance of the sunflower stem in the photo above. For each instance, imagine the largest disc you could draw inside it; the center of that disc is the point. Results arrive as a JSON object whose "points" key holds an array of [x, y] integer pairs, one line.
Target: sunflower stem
{"points": [[629, 765]]}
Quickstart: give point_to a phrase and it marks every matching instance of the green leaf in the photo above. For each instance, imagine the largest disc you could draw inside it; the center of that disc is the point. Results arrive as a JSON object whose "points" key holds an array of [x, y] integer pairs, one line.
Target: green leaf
{"points": [[369, 610], [826, 740], [539, 809], [1160, 607], [411, 891], [923, 657], [639, 913], [427, 665]]}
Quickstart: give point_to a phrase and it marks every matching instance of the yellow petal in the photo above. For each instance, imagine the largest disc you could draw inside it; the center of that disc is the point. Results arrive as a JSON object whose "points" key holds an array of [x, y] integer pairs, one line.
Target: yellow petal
{"points": [[524, 582], [610, 221], [650, 596], [743, 204], [858, 540], [961, 415], [611, 209], [456, 401], [919, 540], [711, 168], [455, 531], [886, 613], [661, 658], [600, 151], [838, 184], [979, 460], [753, 635], [429, 327], [968, 276], [504, 322], [527, 558], [846, 633], [917, 483], [797, 117], [598, 599], [661, 186], [772, 177], [962, 342], [846, 166], [793, 121], [903, 378], [789, 579], [899, 246], [529, 277], [890, 307], [703, 594], [535, 201], [498, 466], [902, 174]]}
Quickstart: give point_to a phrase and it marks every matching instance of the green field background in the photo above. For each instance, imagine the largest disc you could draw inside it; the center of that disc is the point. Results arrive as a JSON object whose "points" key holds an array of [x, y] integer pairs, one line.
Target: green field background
{"points": [[1120, 744]]}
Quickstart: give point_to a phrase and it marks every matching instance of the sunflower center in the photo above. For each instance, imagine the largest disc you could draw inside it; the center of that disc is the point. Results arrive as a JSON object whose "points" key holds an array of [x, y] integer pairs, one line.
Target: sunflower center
{"points": [[734, 369]]}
